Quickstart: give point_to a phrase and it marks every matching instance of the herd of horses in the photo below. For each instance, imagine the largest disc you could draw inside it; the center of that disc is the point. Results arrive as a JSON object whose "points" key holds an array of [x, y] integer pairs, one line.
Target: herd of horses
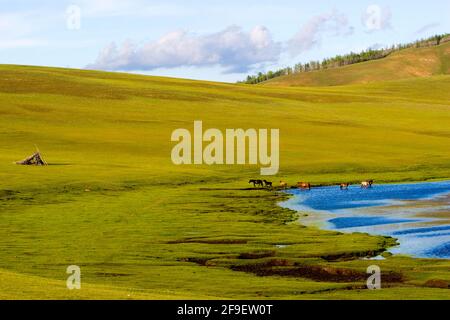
{"points": [[261, 183], [304, 185]]}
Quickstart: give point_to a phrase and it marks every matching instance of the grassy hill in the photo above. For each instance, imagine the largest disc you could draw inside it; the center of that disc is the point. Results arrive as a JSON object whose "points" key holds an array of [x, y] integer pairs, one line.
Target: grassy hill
{"points": [[112, 202], [405, 64]]}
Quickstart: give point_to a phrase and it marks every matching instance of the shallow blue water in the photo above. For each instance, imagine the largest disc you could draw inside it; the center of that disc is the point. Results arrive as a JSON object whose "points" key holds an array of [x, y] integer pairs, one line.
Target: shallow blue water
{"points": [[351, 222], [344, 210], [433, 235], [442, 251], [421, 230], [332, 198]]}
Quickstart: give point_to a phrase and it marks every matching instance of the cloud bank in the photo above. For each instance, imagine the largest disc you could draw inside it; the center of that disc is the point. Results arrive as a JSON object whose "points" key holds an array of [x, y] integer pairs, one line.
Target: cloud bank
{"points": [[311, 33], [233, 49]]}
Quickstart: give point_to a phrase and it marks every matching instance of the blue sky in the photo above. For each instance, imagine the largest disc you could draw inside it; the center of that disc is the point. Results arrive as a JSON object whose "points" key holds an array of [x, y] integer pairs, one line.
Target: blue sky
{"points": [[213, 40]]}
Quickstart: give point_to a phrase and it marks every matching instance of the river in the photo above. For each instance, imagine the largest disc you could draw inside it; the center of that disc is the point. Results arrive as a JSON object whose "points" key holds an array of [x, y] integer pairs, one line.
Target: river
{"points": [[417, 214]]}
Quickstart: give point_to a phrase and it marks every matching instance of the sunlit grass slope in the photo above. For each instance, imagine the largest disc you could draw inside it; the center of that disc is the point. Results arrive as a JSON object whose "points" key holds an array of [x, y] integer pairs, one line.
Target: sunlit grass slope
{"points": [[112, 202], [404, 64]]}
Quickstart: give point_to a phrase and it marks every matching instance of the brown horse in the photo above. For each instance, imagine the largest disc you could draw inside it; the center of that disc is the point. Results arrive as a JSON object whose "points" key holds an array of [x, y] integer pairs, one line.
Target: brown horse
{"points": [[344, 186], [304, 185], [283, 185], [367, 184]]}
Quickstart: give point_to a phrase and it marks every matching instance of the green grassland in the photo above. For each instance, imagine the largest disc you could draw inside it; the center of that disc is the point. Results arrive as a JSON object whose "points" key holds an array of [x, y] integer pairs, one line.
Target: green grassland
{"points": [[405, 64], [140, 227]]}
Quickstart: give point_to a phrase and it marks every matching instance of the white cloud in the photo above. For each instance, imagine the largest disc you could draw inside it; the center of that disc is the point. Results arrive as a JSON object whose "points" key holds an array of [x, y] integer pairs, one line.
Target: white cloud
{"points": [[311, 33], [233, 49]]}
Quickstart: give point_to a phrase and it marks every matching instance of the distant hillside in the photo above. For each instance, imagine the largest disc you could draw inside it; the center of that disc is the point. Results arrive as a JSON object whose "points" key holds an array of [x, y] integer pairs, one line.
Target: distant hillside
{"points": [[404, 64], [346, 59]]}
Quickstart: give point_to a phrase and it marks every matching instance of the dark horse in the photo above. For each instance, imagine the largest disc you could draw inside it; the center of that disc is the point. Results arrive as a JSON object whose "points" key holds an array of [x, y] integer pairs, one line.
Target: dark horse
{"points": [[259, 183], [268, 183]]}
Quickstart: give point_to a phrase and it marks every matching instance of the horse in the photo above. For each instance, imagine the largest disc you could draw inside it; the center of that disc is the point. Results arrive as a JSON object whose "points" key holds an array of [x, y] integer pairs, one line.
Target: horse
{"points": [[367, 184], [268, 183], [304, 185], [344, 186], [256, 183], [283, 185]]}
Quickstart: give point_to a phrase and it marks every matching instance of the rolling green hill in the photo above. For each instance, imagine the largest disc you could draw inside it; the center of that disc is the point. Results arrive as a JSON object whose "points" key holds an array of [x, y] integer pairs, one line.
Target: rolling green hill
{"points": [[405, 64], [112, 202]]}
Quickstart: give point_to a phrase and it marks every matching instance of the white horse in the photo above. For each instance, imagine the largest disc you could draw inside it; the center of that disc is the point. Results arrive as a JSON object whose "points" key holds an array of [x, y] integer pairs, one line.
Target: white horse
{"points": [[367, 184]]}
